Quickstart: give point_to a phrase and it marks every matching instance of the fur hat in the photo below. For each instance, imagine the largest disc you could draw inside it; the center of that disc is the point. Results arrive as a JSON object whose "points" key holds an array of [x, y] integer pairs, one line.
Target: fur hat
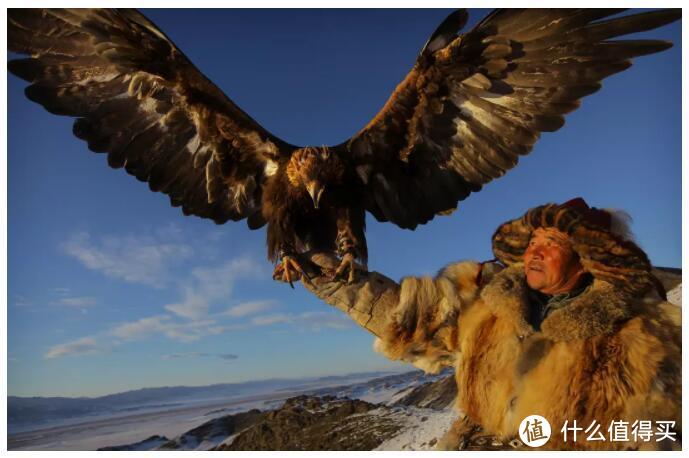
{"points": [[600, 238]]}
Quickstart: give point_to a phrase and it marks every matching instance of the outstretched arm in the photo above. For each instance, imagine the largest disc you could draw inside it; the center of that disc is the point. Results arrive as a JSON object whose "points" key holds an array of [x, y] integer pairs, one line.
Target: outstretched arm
{"points": [[369, 302], [415, 321]]}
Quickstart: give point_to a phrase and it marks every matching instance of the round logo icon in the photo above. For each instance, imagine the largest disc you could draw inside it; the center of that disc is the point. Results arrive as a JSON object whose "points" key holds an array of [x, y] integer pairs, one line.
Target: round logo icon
{"points": [[534, 431]]}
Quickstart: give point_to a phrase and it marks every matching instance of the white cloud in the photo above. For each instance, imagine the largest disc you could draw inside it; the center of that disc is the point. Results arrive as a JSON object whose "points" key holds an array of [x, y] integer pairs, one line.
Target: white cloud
{"points": [[194, 305], [208, 285], [142, 328], [82, 301], [83, 346], [249, 308], [313, 321], [191, 331], [221, 329], [165, 325], [143, 260], [266, 320]]}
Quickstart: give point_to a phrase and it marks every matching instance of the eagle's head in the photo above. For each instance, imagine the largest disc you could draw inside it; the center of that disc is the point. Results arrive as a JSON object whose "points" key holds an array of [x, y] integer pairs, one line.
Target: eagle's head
{"points": [[313, 170]]}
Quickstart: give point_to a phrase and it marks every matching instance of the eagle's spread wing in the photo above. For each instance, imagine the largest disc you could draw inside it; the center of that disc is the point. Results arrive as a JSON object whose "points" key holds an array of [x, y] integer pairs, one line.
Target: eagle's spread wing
{"points": [[473, 104], [139, 99]]}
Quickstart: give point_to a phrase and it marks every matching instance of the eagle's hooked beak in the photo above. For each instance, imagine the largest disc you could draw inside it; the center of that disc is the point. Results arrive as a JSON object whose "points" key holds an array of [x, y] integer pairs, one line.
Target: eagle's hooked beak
{"points": [[315, 191]]}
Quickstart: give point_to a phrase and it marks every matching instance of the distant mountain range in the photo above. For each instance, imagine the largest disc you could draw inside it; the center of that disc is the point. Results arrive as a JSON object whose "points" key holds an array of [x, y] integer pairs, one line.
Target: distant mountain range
{"points": [[26, 413]]}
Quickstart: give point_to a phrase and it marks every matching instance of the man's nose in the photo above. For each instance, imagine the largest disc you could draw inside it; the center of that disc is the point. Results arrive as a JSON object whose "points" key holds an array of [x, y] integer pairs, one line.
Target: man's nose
{"points": [[537, 253]]}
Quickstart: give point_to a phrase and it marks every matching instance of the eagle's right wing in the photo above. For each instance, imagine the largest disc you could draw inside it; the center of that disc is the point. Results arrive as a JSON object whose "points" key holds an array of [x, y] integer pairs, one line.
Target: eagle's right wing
{"points": [[474, 103], [137, 98]]}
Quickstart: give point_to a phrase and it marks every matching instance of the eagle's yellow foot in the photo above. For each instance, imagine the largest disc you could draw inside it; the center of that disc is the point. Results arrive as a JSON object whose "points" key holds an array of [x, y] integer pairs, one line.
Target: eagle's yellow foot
{"points": [[347, 267], [289, 270]]}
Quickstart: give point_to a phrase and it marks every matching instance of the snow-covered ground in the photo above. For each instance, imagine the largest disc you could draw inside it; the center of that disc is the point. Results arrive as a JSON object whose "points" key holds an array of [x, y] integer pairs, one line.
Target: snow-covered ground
{"points": [[422, 428], [386, 390], [675, 295]]}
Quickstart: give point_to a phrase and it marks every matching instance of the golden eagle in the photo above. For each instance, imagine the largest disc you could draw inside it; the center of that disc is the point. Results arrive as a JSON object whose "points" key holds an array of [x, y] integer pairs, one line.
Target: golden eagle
{"points": [[470, 106]]}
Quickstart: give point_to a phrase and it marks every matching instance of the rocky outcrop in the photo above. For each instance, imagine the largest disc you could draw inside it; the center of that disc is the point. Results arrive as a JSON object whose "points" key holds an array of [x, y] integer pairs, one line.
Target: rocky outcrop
{"points": [[214, 432], [318, 423], [395, 412]]}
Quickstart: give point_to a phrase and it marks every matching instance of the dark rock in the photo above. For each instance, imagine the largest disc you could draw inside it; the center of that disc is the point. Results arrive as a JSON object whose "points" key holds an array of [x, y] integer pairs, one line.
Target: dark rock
{"points": [[223, 427], [313, 423]]}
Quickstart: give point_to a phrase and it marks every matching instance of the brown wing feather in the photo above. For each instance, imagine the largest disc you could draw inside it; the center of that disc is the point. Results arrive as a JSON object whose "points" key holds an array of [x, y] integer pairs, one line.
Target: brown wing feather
{"points": [[466, 112], [140, 100]]}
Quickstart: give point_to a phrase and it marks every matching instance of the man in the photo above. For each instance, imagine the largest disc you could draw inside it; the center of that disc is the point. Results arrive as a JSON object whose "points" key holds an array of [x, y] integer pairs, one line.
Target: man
{"points": [[571, 325]]}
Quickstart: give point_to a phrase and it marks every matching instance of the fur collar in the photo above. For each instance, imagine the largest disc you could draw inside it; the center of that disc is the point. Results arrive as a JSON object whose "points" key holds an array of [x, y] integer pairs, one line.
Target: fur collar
{"points": [[598, 310]]}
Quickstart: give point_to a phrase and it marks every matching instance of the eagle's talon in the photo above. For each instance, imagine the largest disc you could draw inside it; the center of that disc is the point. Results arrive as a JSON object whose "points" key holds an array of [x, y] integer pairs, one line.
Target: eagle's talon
{"points": [[289, 270], [346, 266], [301, 273]]}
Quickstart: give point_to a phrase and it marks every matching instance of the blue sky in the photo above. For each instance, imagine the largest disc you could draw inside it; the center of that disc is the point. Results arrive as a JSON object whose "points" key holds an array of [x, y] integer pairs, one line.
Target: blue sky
{"points": [[110, 288]]}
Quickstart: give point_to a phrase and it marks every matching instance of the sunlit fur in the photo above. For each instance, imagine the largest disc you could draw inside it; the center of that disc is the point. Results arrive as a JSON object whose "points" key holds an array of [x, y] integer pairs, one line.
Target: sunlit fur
{"points": [[606, 356]]}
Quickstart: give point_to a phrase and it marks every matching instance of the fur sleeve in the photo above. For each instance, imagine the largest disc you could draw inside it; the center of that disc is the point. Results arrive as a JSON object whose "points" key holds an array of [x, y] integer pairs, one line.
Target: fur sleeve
{"points": [[423, 328], [416, 321]]}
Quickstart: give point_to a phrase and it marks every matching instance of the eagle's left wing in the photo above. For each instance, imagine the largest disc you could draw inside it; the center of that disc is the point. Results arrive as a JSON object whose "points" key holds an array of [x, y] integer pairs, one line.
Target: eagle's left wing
{"points": [[474, 103], [139, 99]]}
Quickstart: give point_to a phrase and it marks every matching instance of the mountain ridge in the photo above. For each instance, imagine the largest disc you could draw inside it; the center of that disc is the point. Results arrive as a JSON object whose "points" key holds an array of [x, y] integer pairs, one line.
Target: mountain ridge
{"points": [[40, 411]]}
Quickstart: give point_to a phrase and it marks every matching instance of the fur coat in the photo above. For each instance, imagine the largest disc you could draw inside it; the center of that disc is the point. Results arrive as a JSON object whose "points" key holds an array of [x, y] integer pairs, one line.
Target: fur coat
{"points": [[606, 356]]}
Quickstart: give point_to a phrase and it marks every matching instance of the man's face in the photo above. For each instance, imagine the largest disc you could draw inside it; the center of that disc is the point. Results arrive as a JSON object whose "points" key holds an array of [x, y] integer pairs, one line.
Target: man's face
{"points": [[550, 264]]}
